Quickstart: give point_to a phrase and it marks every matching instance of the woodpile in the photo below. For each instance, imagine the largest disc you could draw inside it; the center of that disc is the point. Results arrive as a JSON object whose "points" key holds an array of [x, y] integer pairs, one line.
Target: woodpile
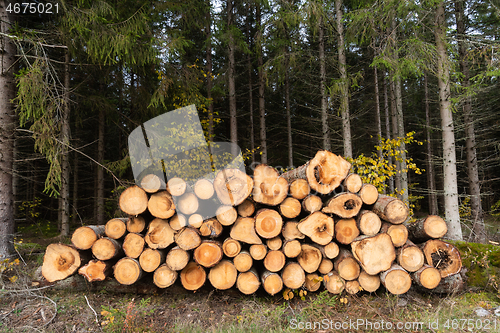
{"points": [[312, 227]]}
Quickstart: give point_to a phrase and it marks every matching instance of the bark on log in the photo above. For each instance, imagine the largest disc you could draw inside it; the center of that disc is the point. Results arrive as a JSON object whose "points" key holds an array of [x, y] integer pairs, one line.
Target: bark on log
{"points": [[161, 205], [344, 205], [274, 261], [177, 258], [346, 231], [243, 261], [127, 271], [164, 277], [292, 248], [248, 282], [136, 224], [232, 186], [427, 277], [410, 257], [193, 276], [84, 237], [396, 280], [368, 194], [309, 258], [60, 261], [188, 238], [443, 256], [133, 201], [319, 227], [116, 228], [299, 189], [160, 234], [451, 284], [368, 222], [176, 186], [269, 187], [334, 283], [133, 245], [271, 282], [258, 251], [96, 270], [353, 183], [226, 215], [243, 230], [106, 248], [204, 189], [369, 283], [151, 259], [223, 275], [374, 253], [391, 209], [427, 228], [293, 276], [397, 232], [231, 247], [211, 228], [290, 231], [346, 265], [312, 203], [290, 208], [208, 254], [268, 223], [246, 209]]}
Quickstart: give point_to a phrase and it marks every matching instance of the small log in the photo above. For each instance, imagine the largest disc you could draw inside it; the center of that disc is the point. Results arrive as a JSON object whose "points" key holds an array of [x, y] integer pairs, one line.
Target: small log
{"points": [[127, 271], [290, 231], [326, 266], [292, 248], [195, 221], [345, 264], [84, 237], [96, 270], [208, 254], [211, 228], [203, 189], [177, 258], [116, 228], [133, 201], [223, 275], [397, 232], [232, 186], [269, 187], [443, 256], [271, 282], [293, 276], [243, 230], [369, 283], [374, 253], [313, 282], [106, 248], [60, 261], [290, 208], [334, 283], [368, 194], [136, 224], [353, 183], [151, 259], [352, 287], [324, 172], [231, 247], [226, 215], [133, 245], [309, 258], [391, 209], [430, 227], [451, 284], [258, 251], [427, 277], [344, 205], [331, 250], [268, 223], [176, 186], [248, 282], [187, 203], [319, 227], [368, 222], [193, 276], [246, 209], [188, 238], [177, 222], [243, 261], [396, 280], [161, 205], [346, 231], [274, 261], [299, 189], [151, 183], [410, 257], [274, 243], [160, 234], [164, 277], [312, 203]]}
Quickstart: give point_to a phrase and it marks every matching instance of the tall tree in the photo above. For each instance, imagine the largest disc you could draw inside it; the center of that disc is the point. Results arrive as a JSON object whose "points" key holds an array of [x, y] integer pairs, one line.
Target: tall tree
{"points": [[322, 78], [262, 83], [431, 179], [231, 77]]}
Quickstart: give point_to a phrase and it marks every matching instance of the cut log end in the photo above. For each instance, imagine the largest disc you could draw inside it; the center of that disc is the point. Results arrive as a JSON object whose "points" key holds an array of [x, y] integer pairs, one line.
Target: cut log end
{"points": [[193, 276], [84, 237], [443, 256], [293, 276], [127, 271], [269, 187], [319, 227], [344, 205], [268, 223], [223, 275], [161, 205], [164, 277], [59, 262], [396, 280], [133, 201], [248, 282], [299, 189], [232, 186]]}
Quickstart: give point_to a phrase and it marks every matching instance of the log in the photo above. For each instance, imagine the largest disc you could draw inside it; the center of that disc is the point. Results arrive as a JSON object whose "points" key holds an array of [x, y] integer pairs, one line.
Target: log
{"points": [[211, 228], [443, 256], [274, 261], [164, 277], [312, 203], [352, 183], [226, 215], [232, 186], [133, 245], [324, 172], [96, 270], [151, 259], [345, 264], [177, 222], [410, 257], [268, 223], [195, 221], [243, 261], [299, 189], [176, 186], [188, 238], [84, 237], [136, 224], [369, 283], [231, 247], [133, 201], [292, 248], [243, 230], [326, 266], [313, 282], [223, 275], [331, 250], [353, 287], [346, 231], [160, 234], [430, 227], [290, 231], [344, 205], [368, 222], [187, 203], [60, 261], [127, 271], [193, 276], [290, 208], [334, 283], [309, 258], [177, 258], [271, 282], [396, 280], [246, 209], [319, 227], [269, 187], [258, 251], [106, 248], [203, 189], [391, 209], [116, 228], [274, 243], [451, 284], [368, 194], [151, 183], [427, 277], [374, 253], [248, 282], [161, 205], [397, 232], [293, 275], [208, 254]]}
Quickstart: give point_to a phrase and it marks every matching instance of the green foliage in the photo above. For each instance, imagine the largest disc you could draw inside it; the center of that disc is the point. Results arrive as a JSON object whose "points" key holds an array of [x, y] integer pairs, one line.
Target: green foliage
{"points": [[130, 318]]}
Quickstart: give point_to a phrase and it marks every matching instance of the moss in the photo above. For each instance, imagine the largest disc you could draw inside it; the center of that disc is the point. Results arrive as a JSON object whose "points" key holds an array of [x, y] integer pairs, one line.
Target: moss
{"points": [[483, 264]]}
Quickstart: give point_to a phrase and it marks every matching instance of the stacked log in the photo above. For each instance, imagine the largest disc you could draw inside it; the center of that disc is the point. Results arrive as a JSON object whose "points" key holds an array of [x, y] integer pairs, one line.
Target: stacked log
{"points": [[317, 225]]}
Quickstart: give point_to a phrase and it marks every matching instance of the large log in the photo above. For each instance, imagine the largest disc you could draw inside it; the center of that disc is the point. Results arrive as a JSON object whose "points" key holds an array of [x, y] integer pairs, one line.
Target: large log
{"points": [[369, 283], [269, 187], [290, 208], [352, 183], [204, 189], [136, 224], [410, 257], [208, 254], [268, 223], [309, 258], [232, 186], [243, 230], [368, 222], [106, 248], [193, 276], [293, 276], [96, 270], [151, 259], [396, 280], [391, 209], [299, 189], [116, 228], [374, 253], [243, 261], [274, 261], [177, 258], [60, 261], [443, 256], [427, 277], [164, 277], [248, 282], [345, 264], [397, 232], [319, 227], [84, 237], [368, 194], [223, 275], [133, 245], [334, 283], [133, 201], [127, 271], [344, 205], [188, 238], [271, 282], [346, 231], [427, 228], [160, 234]]}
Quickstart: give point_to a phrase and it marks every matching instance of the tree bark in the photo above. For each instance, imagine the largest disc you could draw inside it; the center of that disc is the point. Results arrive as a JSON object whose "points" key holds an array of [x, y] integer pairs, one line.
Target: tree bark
{"points": [[322, 85], [100, 218], [262, 85], [388, 130], [65, 164], [208, 27], [431, 177], [250, 87], [231, 79]]}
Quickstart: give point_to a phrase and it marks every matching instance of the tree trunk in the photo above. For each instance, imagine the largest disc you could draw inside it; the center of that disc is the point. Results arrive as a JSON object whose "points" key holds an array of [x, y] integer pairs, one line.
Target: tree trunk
{"points": [[245, 209], [208, 27], [65, 166], [322, 85], [431, 178], [388, 131], [262, 85], [394, 132], [211, 228], [378, 119], [100, 218], [423, 229], [292, 248], [250, 87], [231, 80], [369, 194], [391, 209], [449, 155]]}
